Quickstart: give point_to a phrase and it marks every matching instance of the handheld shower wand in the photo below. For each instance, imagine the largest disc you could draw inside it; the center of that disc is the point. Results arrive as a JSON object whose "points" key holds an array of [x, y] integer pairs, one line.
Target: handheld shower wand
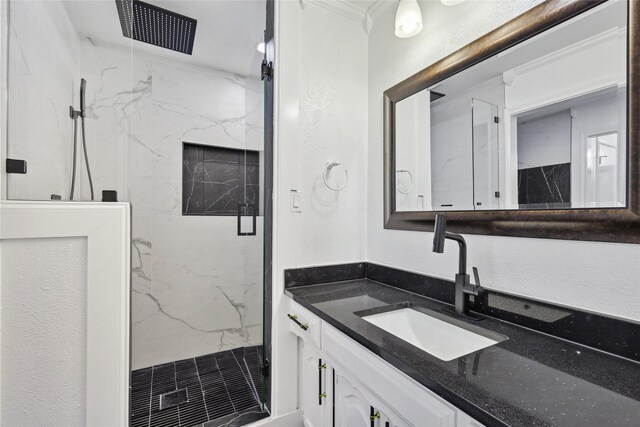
{"points": [[74, 115], [83, 88]]}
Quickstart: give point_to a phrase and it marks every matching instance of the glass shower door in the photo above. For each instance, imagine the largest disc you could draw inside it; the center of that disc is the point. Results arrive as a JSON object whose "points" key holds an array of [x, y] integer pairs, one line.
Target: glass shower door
{"points": [[251, 232], [486, 156]]}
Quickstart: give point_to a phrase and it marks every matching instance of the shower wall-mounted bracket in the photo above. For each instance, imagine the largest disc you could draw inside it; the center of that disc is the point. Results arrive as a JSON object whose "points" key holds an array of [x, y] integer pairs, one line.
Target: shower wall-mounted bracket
{"points": [[16, 166], [74, 114], [267, 70]]}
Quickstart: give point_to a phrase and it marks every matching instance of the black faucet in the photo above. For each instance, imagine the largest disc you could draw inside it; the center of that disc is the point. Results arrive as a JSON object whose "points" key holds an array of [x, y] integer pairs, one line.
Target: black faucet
{"points": [[463, 284]]}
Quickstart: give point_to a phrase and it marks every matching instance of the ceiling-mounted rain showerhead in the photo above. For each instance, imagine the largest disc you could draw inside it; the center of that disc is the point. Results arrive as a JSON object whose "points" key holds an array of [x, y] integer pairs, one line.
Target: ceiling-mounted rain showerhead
{"points": [[157, 26]]}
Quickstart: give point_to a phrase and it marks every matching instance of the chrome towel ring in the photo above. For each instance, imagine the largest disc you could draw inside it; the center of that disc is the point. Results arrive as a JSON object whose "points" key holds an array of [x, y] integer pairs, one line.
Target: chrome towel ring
{"points": [[327, 172], [407, 171]]}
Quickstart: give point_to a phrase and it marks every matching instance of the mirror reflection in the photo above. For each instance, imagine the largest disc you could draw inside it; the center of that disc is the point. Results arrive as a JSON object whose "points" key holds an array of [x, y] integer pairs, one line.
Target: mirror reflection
{"points": [[539, 126]]}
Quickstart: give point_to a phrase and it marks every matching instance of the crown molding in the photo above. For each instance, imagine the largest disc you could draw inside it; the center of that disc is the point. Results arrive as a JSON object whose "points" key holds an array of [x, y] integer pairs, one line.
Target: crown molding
{"points": [[349, 10], [344, 8], [379, 7], [375, 11]]}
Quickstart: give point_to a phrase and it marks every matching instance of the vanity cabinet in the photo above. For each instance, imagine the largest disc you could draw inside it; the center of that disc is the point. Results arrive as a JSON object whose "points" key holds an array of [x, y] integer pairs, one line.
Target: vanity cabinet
{"points": [[343, 384]]}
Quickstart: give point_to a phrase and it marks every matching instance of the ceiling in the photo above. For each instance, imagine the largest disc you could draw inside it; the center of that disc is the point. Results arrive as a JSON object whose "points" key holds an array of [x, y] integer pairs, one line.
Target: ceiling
{"points": [[579, 29], [227, 34]]}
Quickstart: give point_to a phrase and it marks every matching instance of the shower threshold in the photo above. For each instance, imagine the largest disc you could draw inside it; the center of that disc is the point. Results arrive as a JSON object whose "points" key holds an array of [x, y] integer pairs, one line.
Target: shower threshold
{"points": [[222, 389]]}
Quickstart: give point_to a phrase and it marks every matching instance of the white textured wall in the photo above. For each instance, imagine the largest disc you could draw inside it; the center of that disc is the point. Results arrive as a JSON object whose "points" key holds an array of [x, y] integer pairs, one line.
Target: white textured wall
{"points": [[331, 118], [545, 141], [321, 92], [596, 276], [43, 356]]}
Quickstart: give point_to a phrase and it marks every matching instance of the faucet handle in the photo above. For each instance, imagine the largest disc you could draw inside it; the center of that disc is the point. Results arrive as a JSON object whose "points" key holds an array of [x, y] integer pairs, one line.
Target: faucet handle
{"points": [[477, 290], [476, 276]]}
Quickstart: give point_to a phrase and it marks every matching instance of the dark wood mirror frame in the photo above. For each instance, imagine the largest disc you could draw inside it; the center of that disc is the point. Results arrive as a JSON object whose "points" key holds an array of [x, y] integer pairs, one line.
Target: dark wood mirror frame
{"points": [[607, 224]]}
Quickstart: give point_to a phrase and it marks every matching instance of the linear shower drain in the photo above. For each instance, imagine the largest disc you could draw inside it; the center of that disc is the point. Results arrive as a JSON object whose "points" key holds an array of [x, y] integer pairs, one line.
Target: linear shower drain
{"points": [[173, 398]]}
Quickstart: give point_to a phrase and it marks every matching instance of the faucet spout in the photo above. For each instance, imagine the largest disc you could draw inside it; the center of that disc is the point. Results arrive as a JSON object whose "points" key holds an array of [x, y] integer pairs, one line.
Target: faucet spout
{"points": [[439, 236]]}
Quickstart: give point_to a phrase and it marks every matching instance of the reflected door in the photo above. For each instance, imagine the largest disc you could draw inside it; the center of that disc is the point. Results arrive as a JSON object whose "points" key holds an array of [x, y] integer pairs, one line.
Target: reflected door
{"points": [[601, 187]]}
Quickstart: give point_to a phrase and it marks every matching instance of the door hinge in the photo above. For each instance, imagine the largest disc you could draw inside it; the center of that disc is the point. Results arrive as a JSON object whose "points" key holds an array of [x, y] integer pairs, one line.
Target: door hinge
{"points": [[265, 368], [496, 119], [267, 70]]}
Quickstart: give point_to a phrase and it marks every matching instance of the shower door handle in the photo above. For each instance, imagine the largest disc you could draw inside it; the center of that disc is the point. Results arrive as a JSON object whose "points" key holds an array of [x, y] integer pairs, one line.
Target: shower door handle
{"points": [[242, 212]]}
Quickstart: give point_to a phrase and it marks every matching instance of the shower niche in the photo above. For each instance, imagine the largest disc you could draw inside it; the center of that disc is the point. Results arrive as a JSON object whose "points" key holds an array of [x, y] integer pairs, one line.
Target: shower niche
{"points": [[216, 180]]}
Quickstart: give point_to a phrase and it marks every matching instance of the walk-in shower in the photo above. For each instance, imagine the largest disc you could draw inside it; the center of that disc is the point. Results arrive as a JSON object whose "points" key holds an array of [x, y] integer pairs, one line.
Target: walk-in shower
{"points": [[81, 114], [174, 123]]}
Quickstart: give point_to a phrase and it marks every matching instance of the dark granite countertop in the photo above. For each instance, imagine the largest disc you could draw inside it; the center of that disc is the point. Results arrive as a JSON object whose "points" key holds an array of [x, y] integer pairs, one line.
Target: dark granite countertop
{"points": [[529, 379]]}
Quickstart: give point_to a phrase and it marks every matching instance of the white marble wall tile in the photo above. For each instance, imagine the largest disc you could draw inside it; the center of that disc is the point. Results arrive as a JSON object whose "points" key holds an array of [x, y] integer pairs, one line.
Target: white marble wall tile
{"points": [[254, 117], [154, 346], [197, 286], [42, 84], [210, 105], [108, 71], [255, 334]]}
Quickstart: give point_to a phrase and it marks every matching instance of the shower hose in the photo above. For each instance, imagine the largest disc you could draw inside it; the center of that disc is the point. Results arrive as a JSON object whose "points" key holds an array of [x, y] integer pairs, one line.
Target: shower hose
{"points": [[75, 153]]}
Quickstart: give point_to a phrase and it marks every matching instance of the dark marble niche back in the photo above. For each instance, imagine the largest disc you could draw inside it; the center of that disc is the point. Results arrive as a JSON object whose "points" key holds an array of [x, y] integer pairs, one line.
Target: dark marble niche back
{"points": [[616, 336], [216, 179]]}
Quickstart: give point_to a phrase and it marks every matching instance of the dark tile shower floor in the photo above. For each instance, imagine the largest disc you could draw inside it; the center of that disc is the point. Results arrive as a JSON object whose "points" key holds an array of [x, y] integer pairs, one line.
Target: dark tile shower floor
{"points": [[223, 389]]}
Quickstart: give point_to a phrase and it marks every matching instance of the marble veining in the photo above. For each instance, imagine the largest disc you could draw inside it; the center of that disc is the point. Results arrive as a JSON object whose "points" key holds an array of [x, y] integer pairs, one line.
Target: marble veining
{"points": [[545, 186]]}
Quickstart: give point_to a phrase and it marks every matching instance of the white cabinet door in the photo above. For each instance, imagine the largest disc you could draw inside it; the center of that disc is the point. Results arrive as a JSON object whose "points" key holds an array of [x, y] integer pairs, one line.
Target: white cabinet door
{"points": [[465, 420], [352, 408], [314, 387], [387, 419]]}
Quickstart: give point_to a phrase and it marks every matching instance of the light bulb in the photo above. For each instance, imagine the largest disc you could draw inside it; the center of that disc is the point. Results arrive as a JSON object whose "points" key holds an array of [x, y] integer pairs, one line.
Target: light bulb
{"points": [[408, 19]]}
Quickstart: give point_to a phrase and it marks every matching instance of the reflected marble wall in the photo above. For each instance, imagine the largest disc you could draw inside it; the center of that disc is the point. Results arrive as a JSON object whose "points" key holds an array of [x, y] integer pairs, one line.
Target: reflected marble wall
{"points": [[545, 187], [196, 284]]}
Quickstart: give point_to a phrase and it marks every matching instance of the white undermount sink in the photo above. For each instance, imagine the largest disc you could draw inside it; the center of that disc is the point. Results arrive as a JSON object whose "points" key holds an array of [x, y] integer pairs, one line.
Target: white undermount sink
{"points": [[438, 338]]}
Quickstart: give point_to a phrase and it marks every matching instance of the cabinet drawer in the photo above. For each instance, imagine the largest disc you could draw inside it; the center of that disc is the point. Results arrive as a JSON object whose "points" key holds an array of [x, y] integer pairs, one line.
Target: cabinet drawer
{"points": [[418, 405], [305, 324]]}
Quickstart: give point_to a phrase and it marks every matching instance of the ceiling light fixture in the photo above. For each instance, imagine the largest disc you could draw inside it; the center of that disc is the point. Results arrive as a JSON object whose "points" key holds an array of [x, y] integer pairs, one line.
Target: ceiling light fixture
{"points": [[408, 19], [451, 2], [260, 47]]}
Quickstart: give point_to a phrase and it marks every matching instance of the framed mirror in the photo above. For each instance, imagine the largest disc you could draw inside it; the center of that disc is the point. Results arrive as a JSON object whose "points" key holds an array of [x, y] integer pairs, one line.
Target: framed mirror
{"points": [[531, 130]]}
